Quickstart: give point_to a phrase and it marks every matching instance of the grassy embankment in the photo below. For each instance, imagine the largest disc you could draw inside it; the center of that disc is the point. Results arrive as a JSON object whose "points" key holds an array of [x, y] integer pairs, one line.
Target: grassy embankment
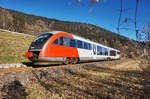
{"points": [[13, 47], [120, 81]]}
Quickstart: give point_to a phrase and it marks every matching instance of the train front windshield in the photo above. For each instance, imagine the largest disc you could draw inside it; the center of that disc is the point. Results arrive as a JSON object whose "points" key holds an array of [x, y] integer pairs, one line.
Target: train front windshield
{"points": [[40, 41]]}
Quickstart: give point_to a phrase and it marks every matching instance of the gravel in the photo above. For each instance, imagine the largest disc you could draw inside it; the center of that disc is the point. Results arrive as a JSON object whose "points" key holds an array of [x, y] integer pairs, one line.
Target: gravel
{"points": [[12, 65]]}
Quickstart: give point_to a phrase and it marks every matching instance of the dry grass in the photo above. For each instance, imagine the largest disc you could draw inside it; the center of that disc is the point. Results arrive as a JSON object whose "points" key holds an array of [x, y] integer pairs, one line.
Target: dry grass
{"points": [[13, 47], [96, 81]]}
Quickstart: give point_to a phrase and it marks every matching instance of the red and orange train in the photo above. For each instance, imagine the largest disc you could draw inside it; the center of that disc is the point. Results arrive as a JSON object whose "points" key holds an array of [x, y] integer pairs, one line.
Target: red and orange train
{"points": [[67, 48]]}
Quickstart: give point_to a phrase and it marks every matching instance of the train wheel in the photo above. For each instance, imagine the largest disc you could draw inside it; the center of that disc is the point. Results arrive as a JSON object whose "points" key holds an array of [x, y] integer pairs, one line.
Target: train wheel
{"points": [[108, 59], [74, 60], [67, 61]]}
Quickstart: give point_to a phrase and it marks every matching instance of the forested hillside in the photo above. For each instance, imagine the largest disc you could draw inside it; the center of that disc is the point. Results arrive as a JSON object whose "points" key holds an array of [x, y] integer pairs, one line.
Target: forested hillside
{"points": [[31, 24]]}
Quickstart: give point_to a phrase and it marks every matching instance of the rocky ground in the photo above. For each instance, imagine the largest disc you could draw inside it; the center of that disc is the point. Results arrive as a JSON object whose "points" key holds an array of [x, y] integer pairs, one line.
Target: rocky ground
{"points": [[119, 79]]}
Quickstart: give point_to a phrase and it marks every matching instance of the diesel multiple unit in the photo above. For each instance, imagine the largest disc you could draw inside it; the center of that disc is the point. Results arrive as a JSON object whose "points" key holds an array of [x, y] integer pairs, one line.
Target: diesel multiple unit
{"points": [[67, 48]]}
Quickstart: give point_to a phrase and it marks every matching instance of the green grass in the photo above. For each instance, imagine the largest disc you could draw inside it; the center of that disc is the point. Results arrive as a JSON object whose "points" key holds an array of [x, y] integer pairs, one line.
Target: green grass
{"points": [[13, 47]]}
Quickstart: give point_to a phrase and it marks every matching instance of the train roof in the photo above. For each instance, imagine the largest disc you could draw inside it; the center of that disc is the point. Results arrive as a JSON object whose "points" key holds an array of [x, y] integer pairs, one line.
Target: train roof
{"points": [[82, 38]]}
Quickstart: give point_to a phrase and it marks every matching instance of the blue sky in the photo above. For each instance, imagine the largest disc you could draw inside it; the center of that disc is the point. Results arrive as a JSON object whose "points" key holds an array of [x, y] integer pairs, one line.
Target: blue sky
{"points": [[103, 14]]}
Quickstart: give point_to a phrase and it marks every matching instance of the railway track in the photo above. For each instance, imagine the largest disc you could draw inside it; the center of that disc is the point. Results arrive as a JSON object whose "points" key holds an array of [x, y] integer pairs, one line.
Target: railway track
{"points": [[35, 67], [31, 67]]}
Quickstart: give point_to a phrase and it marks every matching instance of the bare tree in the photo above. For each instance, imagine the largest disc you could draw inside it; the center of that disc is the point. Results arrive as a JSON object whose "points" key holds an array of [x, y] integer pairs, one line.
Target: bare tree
{"points": [[146, 32], [121, 10], [135, 20], [120, 15]]}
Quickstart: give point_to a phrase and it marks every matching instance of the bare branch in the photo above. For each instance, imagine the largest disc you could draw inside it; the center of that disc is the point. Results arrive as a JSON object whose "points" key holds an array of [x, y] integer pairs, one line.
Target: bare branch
{"points": [[120, 15], [135, 19]]}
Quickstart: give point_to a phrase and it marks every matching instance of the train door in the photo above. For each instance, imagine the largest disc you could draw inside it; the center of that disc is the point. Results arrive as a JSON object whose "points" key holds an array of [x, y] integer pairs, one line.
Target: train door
{"points": [[88, 54], [81, 50], [118, 54], [94, 51]]}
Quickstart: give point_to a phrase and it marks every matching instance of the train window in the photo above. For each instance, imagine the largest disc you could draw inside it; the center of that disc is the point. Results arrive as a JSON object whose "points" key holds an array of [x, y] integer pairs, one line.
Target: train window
{"points": [[80, 44], [61, 42], [72, 43], [106, 51], [94, 49], [66, 41], [118, 52], [55, 42], [86, 45], [89, 46], [42, 38], [99, 50], [103, 51], [112, 53]]}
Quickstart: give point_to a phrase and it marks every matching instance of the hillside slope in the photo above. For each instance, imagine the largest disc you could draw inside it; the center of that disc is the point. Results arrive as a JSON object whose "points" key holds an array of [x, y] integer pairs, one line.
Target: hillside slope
{"points": [[13, 47], [30, 24]]}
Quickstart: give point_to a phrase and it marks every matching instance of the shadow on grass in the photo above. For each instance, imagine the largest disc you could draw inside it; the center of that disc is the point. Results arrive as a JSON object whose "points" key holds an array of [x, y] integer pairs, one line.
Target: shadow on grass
{"points": [[60, 85], [120, 84], [14, 90], [145, 66], [39, 77]]}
